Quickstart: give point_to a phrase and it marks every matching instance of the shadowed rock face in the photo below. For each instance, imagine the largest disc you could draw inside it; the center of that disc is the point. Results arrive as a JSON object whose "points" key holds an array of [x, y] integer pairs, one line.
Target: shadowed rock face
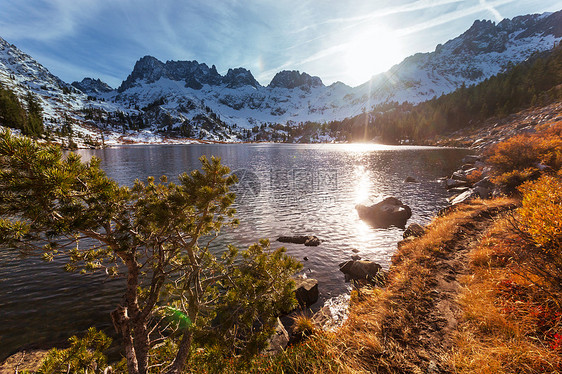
{"points": [[306, 291], [389, 212], [95, 86], [293, 79], [149, 69]]}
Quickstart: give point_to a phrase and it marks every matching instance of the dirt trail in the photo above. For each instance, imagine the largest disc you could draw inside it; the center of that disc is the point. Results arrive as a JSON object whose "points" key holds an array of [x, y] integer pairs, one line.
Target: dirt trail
{"points": [[436, 333], [420, 314]]}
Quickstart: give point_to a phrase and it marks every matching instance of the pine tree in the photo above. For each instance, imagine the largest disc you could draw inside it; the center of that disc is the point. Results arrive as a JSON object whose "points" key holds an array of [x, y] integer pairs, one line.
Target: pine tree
{"points": [[158, 234]]}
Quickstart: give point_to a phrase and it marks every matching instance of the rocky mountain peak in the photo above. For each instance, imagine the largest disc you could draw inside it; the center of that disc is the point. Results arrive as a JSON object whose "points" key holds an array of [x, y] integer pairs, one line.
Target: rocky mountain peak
{"points": [[192, 73], [92, 86], [239, 77], [294, 78]]}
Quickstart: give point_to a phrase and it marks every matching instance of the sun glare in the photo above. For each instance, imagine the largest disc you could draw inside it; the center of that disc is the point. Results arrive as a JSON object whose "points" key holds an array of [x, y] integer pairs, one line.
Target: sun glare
{"points": [[371, 52]]}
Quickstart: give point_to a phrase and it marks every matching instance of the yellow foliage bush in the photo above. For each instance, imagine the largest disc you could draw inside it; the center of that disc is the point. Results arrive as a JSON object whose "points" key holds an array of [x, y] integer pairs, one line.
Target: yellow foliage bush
{"points": [[541, 212]]}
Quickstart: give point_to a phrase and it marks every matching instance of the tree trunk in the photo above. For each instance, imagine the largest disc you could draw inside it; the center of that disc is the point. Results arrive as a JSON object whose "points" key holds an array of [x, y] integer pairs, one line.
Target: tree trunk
{"points": [[142, 345], [183, 353], [121, 323]]}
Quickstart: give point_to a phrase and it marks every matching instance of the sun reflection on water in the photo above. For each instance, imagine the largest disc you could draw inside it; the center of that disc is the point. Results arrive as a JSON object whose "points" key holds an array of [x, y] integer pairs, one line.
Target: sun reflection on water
{"points": [[362, 184]]}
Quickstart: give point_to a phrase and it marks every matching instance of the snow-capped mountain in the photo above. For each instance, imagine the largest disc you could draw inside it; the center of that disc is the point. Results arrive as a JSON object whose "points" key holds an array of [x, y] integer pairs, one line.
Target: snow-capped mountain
{"points": [[191, 99], [82, 107], [237, 98], [188, 89], [484, 50], [61, 102]]}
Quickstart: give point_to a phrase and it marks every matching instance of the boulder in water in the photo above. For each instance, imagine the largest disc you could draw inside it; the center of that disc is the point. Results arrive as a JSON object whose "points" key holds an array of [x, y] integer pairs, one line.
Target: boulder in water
{"points": [[389, 212], [308, 240]]}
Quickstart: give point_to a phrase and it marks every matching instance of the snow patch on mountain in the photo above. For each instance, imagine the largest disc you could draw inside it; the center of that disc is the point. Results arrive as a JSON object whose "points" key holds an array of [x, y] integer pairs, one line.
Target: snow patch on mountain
{"points": [[191, 99]]}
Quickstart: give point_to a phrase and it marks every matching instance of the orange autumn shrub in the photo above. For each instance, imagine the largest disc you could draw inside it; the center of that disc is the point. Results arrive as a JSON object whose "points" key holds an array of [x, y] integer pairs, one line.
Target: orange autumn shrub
{"points": [[523, 157], [538, 223], [474, 176]]}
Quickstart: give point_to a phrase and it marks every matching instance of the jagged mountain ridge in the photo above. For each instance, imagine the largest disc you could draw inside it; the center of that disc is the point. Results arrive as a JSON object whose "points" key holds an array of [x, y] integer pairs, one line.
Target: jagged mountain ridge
{"points": [[482, 51], [59, 100], [76, 104], [174, 95], [92, 86]]}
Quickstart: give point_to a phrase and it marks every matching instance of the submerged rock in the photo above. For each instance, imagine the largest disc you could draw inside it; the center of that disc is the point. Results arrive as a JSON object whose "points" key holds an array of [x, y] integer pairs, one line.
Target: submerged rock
{"points": [[362, 271], [333, 313], [389, 212], [308, 240]]}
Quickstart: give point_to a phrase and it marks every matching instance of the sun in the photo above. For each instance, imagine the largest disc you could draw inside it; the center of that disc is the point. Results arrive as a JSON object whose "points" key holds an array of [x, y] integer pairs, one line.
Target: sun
{"points": [[371, 52]]}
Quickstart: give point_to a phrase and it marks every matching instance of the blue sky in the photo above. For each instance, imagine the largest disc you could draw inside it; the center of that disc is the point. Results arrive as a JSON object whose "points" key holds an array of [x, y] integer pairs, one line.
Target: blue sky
{"points": [[347, 41]]}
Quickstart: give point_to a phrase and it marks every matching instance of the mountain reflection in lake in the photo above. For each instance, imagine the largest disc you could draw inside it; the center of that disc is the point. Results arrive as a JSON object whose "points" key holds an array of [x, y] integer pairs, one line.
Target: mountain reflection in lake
{"points": [[283, 190]]}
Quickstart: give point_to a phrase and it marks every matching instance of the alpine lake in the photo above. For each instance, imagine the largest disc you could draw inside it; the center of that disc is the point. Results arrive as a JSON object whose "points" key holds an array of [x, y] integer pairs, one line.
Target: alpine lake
{"points": [[283, 189]]}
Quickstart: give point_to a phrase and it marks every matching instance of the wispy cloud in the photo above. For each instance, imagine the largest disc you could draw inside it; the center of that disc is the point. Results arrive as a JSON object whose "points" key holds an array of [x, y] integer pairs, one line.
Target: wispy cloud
{"points": [[452, 16], [81, 37], [352, 21], [46, 21]]}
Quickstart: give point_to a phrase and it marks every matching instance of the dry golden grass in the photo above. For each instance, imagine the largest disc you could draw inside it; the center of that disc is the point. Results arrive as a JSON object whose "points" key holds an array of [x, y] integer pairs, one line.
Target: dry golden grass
{"points": [[382, 333], [501, 332], [394, 330]]}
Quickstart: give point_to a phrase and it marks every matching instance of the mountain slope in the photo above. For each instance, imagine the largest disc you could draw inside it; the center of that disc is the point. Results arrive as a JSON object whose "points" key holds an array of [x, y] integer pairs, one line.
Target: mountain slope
{"points": [[484, 50], [481, 52], [191, 99]]}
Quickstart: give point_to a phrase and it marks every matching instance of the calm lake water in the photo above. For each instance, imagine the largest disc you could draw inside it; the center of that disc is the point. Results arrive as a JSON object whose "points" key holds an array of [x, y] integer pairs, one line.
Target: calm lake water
{"points": [[283, 190]]}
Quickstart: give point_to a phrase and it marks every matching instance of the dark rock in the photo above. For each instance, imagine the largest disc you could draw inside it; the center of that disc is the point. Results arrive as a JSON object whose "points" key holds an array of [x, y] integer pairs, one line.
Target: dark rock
{"points": [[150, 69], [305, 258], [306, 291], [356, 257], [92, 86], [483, 192], [454, 183], [293, 79], [239, 77], [278, 341], [470, 159], [312, 241], [355, 250], [410, 180], [479, 164], [484, 188], [308, 240], [362, 270], [414, 230], [389, 212], [460, 175], [485, 183]]}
